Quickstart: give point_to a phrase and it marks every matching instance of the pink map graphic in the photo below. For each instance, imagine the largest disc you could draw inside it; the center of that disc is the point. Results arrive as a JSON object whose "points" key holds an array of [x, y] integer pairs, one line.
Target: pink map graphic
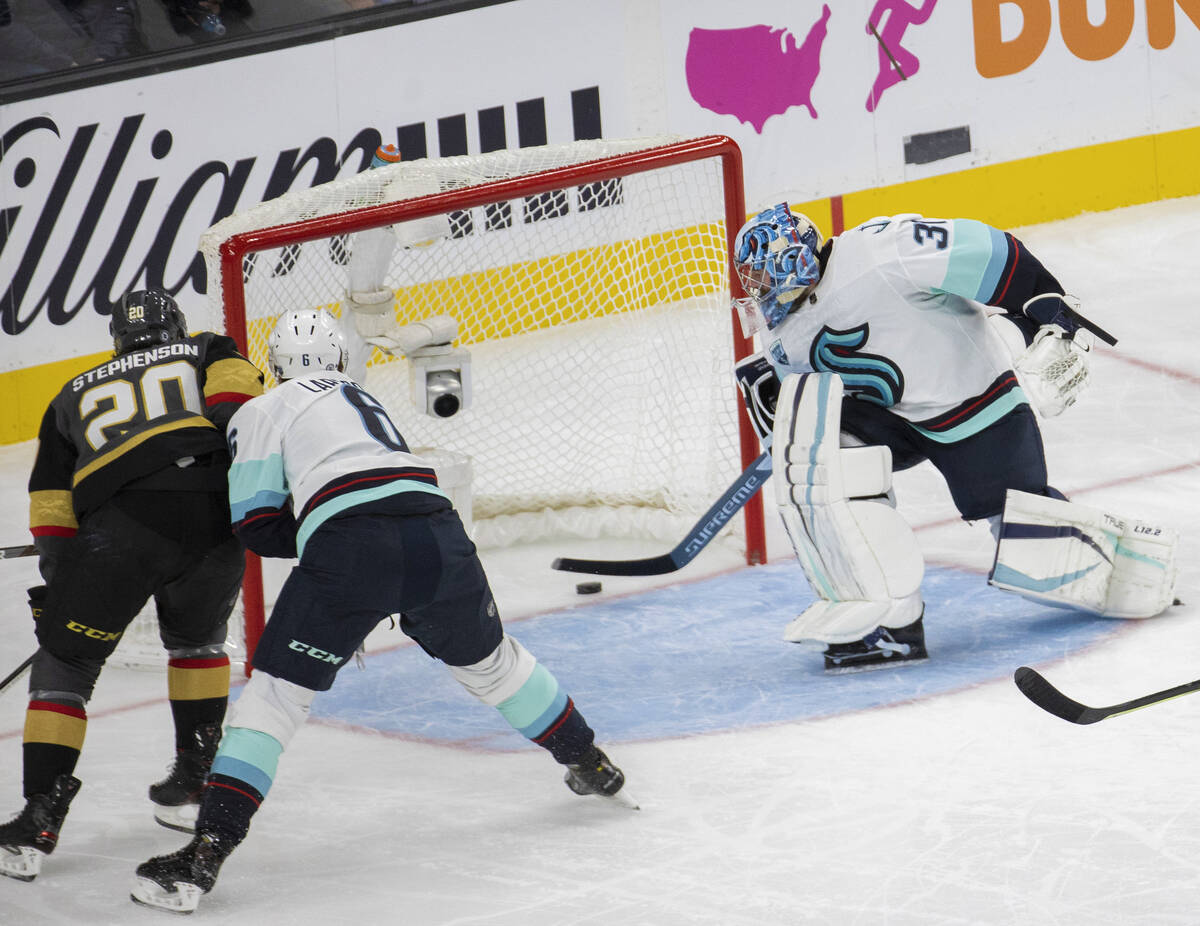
{"points": [[755, 72]]}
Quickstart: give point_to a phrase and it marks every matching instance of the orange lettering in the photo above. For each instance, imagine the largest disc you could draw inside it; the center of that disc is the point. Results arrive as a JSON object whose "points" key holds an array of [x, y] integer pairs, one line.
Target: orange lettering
{"points": [[997, 57], [1160, 19], [1095, 43]]}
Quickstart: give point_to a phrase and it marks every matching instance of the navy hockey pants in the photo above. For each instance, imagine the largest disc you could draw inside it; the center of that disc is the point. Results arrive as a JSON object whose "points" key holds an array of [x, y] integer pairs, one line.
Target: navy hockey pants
{"points": [[978, 469], [356, 570]]}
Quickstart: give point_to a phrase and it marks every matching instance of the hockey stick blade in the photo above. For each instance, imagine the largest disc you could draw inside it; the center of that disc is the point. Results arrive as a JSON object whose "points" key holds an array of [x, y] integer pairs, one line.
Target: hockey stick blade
{"points": [[718, 515], [1053, 701], [27, 549]]}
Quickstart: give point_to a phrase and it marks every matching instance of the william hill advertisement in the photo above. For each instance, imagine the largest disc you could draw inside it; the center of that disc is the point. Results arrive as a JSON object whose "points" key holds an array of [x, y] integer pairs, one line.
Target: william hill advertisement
{"points": [[1015, 111]]}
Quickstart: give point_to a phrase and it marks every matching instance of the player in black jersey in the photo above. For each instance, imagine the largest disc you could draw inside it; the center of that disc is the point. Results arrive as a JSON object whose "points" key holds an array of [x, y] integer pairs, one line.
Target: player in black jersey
{"points": [[128, 501]]}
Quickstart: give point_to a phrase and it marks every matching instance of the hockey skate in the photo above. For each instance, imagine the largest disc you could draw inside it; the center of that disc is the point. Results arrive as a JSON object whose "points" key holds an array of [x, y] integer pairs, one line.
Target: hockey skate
{"points": [[33, 833], [881, 648], [176, 798], [595, 773], [175, 882]]}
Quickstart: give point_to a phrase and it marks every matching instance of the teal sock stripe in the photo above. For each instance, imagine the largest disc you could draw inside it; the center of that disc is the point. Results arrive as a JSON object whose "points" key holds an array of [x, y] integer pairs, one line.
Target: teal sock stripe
{"points": [[536, 705], [249, 756]]}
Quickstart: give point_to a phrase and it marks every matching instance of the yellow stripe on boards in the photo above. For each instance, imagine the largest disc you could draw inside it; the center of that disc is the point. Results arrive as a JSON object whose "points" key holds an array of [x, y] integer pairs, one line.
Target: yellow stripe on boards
{"points": [[1027, 191]]}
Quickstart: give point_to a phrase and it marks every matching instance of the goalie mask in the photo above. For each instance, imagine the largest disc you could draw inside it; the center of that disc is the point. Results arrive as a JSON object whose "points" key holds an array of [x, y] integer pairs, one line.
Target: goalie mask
{"points": [[145, 318], [305, 341], [775, 256]]}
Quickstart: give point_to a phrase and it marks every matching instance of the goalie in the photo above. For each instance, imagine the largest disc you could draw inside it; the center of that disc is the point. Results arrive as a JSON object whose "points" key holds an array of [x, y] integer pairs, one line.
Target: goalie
{"points": [[879, 354]]}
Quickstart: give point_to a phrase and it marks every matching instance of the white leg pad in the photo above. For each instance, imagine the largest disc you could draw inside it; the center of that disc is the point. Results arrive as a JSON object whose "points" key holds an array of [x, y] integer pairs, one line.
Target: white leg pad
{"points": [[1074, 556], [271, 705], [859, 555], [498, 676], [846, 621]]}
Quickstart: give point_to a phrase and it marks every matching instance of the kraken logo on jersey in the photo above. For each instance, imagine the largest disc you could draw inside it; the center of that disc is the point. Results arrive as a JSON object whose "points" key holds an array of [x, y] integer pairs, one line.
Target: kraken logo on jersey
{"points": [[867, 376]]}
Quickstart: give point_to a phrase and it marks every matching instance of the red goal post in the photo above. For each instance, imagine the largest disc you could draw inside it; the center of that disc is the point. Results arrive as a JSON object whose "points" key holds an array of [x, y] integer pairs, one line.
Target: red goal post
{"points": [[560, 263]]}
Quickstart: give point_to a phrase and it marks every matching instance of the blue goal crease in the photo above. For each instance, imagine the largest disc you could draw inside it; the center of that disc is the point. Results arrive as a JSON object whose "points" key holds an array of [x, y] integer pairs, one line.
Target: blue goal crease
{"points": [[707, 656]]}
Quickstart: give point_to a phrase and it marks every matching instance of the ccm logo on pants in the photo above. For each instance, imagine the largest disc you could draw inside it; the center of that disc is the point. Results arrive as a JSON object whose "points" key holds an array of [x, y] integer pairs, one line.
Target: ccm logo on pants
{"points": [[93, 632], [319, 654]]}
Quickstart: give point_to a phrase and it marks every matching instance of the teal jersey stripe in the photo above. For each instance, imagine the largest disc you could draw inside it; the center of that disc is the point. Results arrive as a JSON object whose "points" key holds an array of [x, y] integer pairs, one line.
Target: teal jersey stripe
{"points": [[985, 417], [262, 499], [324, 512], [249, 755], [256, 484], [977, 260], [537, 697]]}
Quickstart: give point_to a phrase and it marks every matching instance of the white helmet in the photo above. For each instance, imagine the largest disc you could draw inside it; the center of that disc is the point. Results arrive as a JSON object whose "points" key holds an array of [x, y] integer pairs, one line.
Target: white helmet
{"points": [[305, 341]]}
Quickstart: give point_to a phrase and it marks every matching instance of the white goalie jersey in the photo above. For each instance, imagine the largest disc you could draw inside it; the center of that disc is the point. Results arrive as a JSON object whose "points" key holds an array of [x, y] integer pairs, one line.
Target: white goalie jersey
{"points": [[899, 315]]}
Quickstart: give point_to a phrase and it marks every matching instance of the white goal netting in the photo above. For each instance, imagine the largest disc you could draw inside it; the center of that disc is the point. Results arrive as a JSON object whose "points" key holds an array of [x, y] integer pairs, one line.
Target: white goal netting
{"points": [[590, 283]]}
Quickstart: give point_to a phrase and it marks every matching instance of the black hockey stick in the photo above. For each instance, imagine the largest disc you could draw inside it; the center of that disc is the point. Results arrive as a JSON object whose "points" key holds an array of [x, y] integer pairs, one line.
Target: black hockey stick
{"points": [[16, 673], [1091, 326], [1050, 699], [709, 525], [10, 552]]}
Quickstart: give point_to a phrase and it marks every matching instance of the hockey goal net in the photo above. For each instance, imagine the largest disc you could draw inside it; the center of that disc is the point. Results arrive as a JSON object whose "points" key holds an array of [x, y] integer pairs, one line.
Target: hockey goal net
{"points": [[591, 286]]}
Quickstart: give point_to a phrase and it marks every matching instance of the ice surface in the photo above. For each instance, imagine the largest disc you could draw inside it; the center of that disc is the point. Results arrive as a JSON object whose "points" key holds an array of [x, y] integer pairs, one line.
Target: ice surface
{"points": [[932, 794]]}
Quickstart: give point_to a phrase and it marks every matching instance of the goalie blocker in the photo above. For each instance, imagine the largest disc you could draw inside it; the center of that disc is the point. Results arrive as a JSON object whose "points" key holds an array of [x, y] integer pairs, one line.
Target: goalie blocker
{"points": [[1073, 556]]}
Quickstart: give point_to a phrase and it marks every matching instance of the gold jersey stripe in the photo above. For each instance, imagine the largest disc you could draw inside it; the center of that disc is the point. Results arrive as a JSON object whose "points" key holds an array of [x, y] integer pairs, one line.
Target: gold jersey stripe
{"points": [[51, 508], [233, 375], [196, 421]]}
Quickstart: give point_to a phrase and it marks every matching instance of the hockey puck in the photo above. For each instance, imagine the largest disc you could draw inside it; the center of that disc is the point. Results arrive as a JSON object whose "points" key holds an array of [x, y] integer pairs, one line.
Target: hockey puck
{"points": [[587, 588]]}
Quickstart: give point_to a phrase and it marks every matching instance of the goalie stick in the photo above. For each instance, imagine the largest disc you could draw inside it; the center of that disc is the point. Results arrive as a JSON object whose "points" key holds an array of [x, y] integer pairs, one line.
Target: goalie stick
{"points": [[1091, 326], [709, 525], [25, 550], [1053, 701]]}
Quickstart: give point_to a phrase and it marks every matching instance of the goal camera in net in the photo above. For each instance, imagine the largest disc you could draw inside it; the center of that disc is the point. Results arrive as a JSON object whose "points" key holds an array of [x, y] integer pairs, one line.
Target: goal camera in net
{"points": [[441, 380]]}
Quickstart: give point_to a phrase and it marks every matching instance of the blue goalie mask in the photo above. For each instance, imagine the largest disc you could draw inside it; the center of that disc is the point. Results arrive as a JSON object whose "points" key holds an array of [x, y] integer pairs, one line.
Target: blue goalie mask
{"points": [[775, 256]]}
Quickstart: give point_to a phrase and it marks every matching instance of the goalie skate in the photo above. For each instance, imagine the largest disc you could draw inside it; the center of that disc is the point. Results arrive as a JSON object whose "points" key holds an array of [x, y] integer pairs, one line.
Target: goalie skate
{"points": [[882, 648]]}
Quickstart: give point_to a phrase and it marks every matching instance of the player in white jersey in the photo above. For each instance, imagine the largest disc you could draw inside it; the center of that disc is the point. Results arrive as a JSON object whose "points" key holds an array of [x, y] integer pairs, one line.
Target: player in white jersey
{"points": [[320, 472], [877, 354]]}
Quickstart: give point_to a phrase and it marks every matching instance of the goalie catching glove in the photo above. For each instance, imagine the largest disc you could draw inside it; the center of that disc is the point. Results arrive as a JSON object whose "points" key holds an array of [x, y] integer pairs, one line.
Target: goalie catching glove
{"points": [[1054, 368]]}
